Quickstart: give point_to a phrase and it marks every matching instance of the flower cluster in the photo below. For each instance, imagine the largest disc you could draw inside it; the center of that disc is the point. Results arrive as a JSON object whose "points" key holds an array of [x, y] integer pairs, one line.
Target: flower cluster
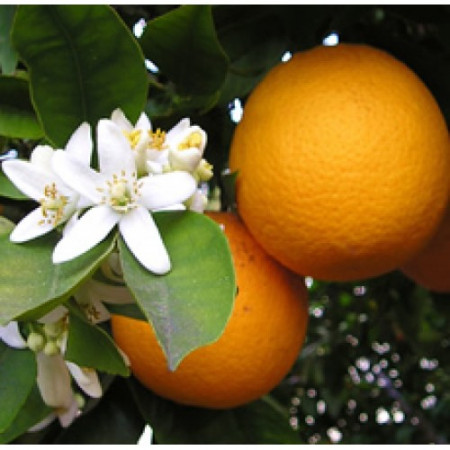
{"points": [[140, 171]]}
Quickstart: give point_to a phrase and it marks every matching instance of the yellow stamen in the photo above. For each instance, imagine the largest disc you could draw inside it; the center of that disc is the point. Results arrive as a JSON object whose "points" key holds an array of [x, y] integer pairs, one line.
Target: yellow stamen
{"points": [[133, 137], [193, 140], [157, 139], [52, 205]]}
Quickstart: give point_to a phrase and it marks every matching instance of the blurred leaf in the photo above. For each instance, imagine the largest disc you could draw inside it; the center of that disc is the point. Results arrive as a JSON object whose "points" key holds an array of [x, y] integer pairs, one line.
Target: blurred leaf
{"points": [[114, 421], [6, 226], [17, 377], [9, 190], [83, 63], [189, 307], [31, 285], [90, 346], [254, 40], [259, 422], [8, 56], [184, 46], [32, 412], [17, 116]]}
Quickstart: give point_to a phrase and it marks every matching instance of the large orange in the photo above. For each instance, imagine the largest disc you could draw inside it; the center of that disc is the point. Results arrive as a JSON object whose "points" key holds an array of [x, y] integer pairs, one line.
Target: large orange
{"points": [[260, 343], [431, 267], [343, 163]]}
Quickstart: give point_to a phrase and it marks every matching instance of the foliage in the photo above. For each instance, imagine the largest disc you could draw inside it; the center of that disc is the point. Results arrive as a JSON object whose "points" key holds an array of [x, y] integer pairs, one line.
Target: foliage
{"points": [[374, 368]]}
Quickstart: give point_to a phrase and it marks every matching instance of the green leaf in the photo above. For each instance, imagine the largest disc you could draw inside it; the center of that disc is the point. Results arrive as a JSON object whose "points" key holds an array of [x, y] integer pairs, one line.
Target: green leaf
{"points": [[8, 56], [259, 422], [32, 412], [189, 307], [254, 41], [17, 377], [31, 285], [83, 63], [9, 190], [17, 116], [90, 346], [184, 46]]}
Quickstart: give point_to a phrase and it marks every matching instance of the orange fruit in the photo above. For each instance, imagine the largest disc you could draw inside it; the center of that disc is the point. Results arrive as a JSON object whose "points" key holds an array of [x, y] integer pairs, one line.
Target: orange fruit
{"points": [[343, 163], [431, 267], [261, 341]]}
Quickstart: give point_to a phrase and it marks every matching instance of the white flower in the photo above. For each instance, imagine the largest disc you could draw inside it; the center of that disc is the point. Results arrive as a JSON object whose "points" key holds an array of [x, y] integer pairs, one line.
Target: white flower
{"points": [[119, 198], [37, 180], [139, 136], [92, 294], [186, 144]]}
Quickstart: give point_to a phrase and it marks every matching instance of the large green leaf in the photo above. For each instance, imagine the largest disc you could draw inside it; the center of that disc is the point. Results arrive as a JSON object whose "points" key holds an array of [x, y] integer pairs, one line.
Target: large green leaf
{"points": [[189, 307], [32, 412], [17, 378], [184, 45], [90, 346], [259, 422], [83, 63], [30, 284], [17, 116], [8, 57]]}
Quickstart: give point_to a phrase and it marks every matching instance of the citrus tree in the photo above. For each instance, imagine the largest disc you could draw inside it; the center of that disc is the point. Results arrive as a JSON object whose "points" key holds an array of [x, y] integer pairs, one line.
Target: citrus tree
{"points": [[125, 300]]}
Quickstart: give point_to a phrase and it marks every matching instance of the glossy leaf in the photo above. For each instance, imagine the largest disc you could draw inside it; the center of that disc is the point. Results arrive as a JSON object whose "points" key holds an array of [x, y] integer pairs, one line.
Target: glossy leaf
{"points": [[31, 285], [20, 366], [83, 63], [90, 346], [8, 56], [17, 116], [32, 412], [189, 307], [259, 422], [184, 46]]}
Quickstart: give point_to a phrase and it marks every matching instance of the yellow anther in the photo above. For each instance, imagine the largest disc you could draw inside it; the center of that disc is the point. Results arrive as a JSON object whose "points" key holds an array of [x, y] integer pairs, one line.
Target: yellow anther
{"points": [[195, 139], [52, 205], [157, 139], [133, 137]]}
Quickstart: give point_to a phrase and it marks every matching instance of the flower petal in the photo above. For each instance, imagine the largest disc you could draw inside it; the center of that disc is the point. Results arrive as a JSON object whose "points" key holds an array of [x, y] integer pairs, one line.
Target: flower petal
{"points": [[108, 293], [54, 315], [30, 179], [11, 336], [80, 144], [41, 156], [80, 178], [143, 123], [67, 415], [119, 118], [53, 380], [44, 423], [87, 232], [87, 379], [31, 227], [160, 191], [175, 133], [114, 152], [142, 237]]}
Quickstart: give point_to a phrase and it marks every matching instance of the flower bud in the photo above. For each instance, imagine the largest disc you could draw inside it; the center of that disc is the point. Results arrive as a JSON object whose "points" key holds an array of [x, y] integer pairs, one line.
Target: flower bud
{"points": [[35, 342]]}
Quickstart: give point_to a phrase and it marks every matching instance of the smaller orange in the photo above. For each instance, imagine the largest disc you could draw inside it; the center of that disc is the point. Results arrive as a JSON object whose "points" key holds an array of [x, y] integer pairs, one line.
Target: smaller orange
{"points": [[431, 267], [261, 341]]}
